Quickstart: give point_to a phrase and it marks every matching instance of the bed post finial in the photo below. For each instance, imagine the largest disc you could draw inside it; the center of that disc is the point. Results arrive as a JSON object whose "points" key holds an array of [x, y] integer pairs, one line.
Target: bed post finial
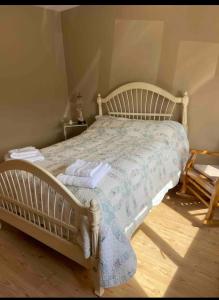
{"points": [[185, 102], [99, 101]]}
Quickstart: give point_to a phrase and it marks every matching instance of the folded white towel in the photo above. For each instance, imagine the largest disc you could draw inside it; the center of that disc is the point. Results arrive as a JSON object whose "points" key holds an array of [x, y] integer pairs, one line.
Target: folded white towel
{"points": [[26, 154], [21, 150], [86, 182], [32, 158], [83, 168]]}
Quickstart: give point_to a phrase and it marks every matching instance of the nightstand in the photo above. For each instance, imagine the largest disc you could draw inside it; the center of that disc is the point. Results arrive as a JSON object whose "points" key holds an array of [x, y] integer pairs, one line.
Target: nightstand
{"points": [[72, 125]]}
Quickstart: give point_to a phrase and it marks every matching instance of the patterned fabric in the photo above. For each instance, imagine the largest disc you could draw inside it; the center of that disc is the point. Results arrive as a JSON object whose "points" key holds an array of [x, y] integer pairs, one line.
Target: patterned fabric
{"points": [[144, 156]]}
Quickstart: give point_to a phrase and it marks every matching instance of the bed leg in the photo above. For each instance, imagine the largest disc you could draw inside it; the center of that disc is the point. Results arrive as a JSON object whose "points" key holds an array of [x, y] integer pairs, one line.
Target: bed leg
{"points": [[94, 217], [94, 272], [99, 291]]}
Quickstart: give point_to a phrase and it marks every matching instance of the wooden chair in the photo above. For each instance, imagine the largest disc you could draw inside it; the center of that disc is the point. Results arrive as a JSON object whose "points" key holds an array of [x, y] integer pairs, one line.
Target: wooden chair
{"points": [[202, 181]]}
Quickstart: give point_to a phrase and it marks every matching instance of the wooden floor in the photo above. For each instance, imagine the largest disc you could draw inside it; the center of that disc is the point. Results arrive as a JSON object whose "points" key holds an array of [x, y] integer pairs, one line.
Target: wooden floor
{"points": [[177, 256]]}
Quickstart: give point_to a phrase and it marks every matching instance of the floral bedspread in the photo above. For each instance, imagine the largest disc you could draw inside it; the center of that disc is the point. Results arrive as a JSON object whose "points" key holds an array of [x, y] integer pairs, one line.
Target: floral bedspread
{"points": [[144, 156]]}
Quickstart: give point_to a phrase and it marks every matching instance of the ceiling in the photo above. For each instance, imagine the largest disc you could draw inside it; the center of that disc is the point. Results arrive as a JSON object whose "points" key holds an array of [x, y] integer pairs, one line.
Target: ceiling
{"points": [[57, 7]]}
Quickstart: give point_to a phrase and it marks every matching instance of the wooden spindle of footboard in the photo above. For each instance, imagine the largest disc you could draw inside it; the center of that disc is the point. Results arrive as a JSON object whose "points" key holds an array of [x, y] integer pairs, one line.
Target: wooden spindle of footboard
{"points": [[127, 97], [111, 106], [145, 104], [10, 189], [16, 193], [25, 192], [48, 206], [161, 107], [166, 111], [136, 99], [69, 223], [172, 110], [152, 96], [141, 104], [155, 108], [7, 193], [41, 201], [124, 104], [54, 211], [116, 108], [62, 212], [133, 111], [20, 191], [31, 197], [3, 194], [36, 198], [120, 106]]}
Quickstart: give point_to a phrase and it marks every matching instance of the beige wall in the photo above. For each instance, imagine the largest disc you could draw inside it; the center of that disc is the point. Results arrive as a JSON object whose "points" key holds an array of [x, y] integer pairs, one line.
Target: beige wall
{"points": [[33, 85], [175, 47]]}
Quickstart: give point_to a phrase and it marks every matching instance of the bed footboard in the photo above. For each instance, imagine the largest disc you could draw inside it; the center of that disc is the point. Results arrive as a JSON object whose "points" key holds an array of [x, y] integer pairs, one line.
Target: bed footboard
{"points": [[35, 202]]}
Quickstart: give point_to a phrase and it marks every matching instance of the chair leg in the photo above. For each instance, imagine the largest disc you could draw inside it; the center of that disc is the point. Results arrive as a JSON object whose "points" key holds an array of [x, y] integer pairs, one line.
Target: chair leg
{"points": [[210, 213], [183, 189], [0, 224]]}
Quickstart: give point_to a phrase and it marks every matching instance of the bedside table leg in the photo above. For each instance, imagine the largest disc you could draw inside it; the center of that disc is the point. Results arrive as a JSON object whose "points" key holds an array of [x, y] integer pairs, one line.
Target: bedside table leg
{"points": [[65, 133]]}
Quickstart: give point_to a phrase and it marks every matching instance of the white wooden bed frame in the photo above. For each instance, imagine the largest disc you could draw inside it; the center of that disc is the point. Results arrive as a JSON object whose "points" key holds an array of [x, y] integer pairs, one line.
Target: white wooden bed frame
{"points": [[22, 206]]}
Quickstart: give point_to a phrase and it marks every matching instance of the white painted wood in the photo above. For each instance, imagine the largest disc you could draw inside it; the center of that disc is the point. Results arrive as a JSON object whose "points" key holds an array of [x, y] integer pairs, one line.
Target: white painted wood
{"points": [[25, 190], [139, 114], [185, 101], [159, 100], [58, 8], [95, 218], [128, 103], [10, 189], [124, 104], [161, 107], [141, 103], [48, 206], [151, 113], [99, 102], [63, 246], [30, 194], [14, 194], [54, 210]]}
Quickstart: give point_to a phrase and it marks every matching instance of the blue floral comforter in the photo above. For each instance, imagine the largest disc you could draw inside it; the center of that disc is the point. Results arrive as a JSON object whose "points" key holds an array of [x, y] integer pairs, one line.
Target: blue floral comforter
{"points": [[144, 156]]}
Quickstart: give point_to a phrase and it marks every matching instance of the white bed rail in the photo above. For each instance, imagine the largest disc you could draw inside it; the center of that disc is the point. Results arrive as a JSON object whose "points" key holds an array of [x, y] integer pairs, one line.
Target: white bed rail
{"points": [[140, 100]]}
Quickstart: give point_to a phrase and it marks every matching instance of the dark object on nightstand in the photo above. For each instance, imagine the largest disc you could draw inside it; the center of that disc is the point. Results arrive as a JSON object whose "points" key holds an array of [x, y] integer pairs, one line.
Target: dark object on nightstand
{"points": [[81, 122]]}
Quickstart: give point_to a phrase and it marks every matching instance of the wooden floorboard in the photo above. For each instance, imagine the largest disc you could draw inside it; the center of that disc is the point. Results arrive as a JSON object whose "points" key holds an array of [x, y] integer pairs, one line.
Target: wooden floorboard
{"points": [[177, 257]]}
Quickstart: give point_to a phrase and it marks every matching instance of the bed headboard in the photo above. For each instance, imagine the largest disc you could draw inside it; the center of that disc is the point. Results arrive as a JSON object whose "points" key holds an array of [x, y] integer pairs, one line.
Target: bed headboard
{"points": [[145, 101]]}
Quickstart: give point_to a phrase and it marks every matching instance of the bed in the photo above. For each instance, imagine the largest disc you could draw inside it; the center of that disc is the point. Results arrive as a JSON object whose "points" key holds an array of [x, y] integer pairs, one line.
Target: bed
{"points": [[147, 150]]}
